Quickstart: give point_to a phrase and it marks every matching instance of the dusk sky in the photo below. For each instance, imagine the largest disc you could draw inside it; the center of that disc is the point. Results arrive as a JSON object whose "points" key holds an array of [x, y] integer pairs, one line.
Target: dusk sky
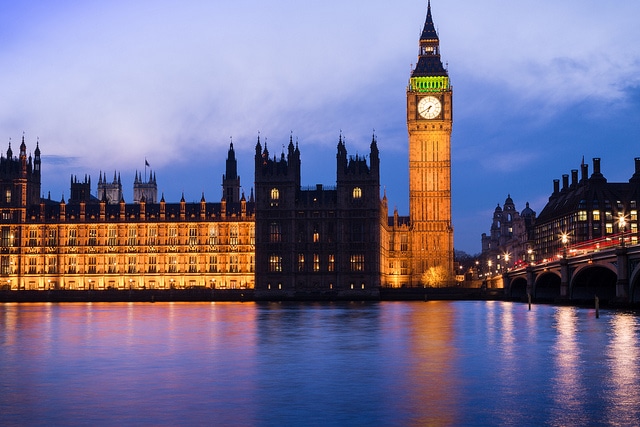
{"points": [[537, 86]]}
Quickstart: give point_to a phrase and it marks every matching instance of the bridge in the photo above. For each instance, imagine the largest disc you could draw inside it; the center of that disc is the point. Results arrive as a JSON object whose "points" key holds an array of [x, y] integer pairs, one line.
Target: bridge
{"points": [[609, 271]]}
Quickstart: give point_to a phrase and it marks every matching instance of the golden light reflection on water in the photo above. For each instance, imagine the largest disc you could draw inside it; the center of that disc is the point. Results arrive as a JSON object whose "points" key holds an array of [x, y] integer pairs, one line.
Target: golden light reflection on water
{"points": [[623, 354], [434, 382], [406, 364], [567, 389]]}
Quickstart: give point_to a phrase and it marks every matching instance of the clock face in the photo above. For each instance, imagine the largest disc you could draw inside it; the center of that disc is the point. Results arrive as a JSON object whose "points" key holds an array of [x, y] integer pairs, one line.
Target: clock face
{"points": [[429, 107]]}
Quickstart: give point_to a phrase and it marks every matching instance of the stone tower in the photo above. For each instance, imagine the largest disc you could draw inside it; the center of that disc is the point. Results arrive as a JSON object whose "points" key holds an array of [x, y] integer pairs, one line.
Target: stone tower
{"points": [[429, 122]]}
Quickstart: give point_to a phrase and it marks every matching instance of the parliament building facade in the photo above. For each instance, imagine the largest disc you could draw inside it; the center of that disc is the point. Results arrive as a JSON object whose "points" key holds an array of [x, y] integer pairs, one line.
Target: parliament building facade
{"points": [[284, 240]]}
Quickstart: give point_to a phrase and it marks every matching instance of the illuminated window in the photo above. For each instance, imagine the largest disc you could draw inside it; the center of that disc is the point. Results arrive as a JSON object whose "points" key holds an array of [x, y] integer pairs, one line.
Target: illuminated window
{"points": [[213, 234], [33, 237], [193, 236], [233, 235], [92, 265], [33, 265], [596, 215], [233, 264], [93, 236], [7, 237], [52, 237], [404, 242], [112, 265], [316, 234], [316, 262], [252, 235], [300, 262], [633, 215], [609, 228], [357, 193], [213, 264], [52, 265], [357, 262], [275, 196], [332, 263], [7, 195], [73, 237], [5, 265], [173, 236], [275, 263], [193, 264], [112, 236], [73, 263], [152, 236], [582, 215], [173, 264], [152, 264], [131, 264], [131, 236], [404, 267]]}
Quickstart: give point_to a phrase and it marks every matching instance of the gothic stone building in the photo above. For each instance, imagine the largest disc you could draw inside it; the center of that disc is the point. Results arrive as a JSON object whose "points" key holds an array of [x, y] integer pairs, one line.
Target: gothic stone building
{"points": [[317, 241], [92, 243]]}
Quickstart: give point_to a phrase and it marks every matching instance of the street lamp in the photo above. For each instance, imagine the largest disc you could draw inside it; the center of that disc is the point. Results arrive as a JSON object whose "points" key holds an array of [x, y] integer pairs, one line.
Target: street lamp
{"points": [[622, 222], [564, 237]]}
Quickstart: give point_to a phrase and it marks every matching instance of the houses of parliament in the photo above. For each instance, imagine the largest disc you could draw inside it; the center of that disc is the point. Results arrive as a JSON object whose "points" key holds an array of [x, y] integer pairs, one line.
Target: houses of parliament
{"points": [[282, 240]]}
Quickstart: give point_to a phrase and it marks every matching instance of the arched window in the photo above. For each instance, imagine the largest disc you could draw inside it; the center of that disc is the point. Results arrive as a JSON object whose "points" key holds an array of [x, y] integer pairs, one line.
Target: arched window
{"points": [[275, 194], [357, 192]]}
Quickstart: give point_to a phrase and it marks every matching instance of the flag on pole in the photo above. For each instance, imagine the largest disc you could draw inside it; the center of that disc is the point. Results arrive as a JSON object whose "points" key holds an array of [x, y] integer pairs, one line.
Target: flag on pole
{"points": [[146, 163]]}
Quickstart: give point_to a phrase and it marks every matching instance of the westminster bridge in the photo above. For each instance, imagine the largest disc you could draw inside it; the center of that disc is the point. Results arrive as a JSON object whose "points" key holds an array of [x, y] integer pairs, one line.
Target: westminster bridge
{"points": [[578, 274]]}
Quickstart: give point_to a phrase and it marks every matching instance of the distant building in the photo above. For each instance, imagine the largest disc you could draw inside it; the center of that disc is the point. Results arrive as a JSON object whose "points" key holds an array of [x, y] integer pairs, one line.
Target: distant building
{"points": [[509, 242], [588, 211]]}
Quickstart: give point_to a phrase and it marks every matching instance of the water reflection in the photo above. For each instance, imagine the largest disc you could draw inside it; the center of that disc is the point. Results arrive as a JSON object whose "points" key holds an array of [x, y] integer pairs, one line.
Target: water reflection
{"points": [[392, 364], [623, 359]]}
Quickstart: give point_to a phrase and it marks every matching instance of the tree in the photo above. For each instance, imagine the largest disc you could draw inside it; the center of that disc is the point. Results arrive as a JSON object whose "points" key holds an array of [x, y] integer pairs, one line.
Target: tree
{"points": [[434, 276]]}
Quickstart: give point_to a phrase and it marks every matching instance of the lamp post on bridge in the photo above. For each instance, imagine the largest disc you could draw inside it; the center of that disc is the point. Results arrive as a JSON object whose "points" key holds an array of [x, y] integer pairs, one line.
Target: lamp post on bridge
{"points": [[622, 263], [564, 267], [622, 223]]}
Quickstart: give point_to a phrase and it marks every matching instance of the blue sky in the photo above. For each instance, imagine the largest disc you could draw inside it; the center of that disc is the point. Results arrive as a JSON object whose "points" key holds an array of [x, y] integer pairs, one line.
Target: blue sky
{"points": [[537, 86]]}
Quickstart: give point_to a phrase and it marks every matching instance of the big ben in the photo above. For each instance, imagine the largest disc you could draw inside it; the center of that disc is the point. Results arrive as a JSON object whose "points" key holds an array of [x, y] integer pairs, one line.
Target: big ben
{"points": [[429, 122]]}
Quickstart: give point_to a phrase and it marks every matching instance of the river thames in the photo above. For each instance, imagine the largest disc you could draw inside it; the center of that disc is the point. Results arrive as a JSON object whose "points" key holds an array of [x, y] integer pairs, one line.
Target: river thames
{"points": [[271, 364]]}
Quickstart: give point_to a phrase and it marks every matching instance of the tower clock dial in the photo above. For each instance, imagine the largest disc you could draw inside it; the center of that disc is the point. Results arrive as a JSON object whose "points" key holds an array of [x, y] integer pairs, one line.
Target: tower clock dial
{"points": [[429, 107]]}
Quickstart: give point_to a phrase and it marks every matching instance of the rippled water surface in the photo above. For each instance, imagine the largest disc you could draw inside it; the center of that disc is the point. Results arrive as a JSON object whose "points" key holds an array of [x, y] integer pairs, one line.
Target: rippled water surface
{"points": [[389, 364]]}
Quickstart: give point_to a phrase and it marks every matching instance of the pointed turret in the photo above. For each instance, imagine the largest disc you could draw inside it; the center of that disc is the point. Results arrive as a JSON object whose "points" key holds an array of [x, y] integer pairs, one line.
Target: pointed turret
{"points": [[429, 62]]}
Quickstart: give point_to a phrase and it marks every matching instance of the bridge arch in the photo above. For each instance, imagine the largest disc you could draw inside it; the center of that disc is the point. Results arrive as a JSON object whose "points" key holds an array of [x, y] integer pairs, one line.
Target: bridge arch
{"points": [[594, 279], [547, 285], [518, 287]]}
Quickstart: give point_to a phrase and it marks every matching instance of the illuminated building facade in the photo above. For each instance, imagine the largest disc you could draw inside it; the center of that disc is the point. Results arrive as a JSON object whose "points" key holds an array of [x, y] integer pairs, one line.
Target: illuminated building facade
{"points": [[331, 240], [420, 247], [510, 241], [590, 211], [97, 244]]}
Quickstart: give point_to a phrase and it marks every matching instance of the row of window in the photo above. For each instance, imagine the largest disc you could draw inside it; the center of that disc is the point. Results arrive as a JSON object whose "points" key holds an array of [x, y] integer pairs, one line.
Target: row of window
{"points": [[172, 238], [216, 264], [608, 215], [356, 193], [356, 263]]}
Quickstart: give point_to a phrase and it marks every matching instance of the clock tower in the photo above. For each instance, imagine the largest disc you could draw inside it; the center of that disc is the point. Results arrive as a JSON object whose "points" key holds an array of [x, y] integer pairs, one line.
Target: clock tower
{"points": [[429, 121]]}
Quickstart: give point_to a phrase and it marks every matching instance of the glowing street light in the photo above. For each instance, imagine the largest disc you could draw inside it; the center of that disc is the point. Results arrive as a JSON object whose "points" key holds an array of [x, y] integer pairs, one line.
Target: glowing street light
{"points": [[622, 222], [564, 238]]}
